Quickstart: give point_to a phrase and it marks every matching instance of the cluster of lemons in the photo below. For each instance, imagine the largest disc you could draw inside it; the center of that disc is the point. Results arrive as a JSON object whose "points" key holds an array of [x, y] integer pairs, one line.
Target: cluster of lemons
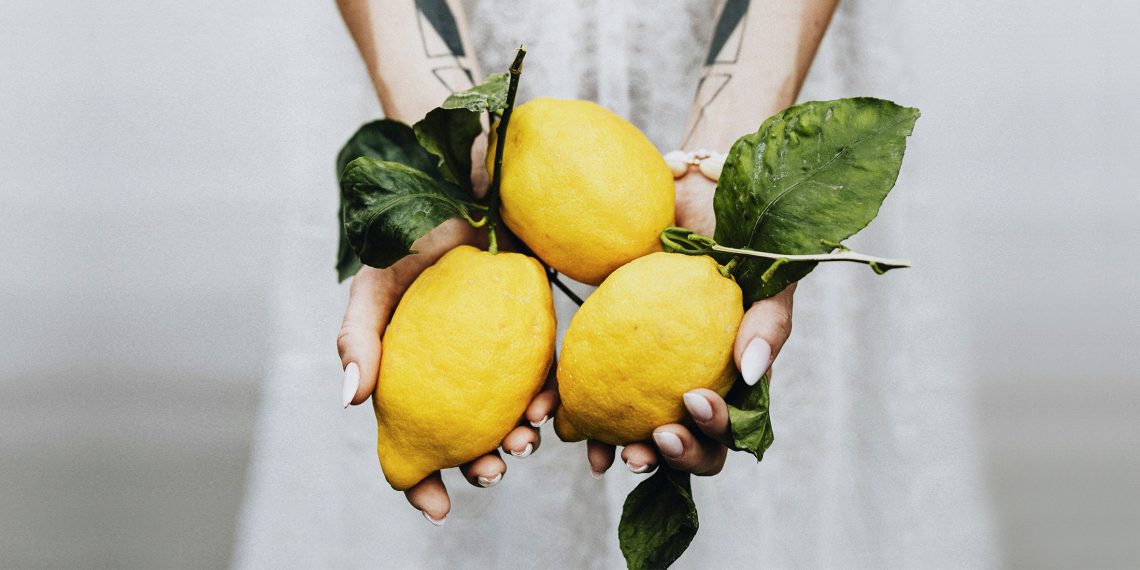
{"points": [[473, 338]]}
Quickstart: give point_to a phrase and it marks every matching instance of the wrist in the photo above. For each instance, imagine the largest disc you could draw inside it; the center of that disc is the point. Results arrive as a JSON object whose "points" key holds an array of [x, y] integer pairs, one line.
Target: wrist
{"points": [[716, 126]]}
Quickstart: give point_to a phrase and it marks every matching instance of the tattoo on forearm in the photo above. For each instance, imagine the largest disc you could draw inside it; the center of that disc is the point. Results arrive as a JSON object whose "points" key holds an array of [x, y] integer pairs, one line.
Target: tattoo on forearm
{"points": [[720, 62], [443, 44]]}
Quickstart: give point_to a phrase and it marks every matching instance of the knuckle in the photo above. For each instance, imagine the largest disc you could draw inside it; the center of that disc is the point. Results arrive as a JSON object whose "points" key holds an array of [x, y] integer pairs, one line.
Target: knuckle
{"points": [[714, 469], [779, 328], [715, 463], [785, 324], [344, 340], [350, 334]]}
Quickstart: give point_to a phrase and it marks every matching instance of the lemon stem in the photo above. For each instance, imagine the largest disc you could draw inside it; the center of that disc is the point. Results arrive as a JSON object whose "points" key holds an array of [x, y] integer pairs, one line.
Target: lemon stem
{"points": [[682, 240], [552, 276], [501, 134]]}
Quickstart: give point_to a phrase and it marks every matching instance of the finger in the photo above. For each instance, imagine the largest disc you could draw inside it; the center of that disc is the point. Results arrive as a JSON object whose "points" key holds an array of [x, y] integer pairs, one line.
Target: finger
{"points": [[639, 457], [479, 177], [430, 497], [372, 299], [763, 332], [600, 455], [485, 471], [685, 452], [359, 339], [522, 441], [709, 412], [541, 407]]}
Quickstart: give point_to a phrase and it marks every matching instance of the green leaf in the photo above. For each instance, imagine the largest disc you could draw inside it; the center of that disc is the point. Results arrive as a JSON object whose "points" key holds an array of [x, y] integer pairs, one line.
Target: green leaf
{"points": [[388, 205], [748, 417], [490, 95], [449, 134], [385, 140], [347, 264], [812, 176], [658, 520]]}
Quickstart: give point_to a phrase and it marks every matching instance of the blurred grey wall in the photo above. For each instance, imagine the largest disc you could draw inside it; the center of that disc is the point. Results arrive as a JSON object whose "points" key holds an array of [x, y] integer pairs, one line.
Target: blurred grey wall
{"points": [[1031, 134], [142, 185]]}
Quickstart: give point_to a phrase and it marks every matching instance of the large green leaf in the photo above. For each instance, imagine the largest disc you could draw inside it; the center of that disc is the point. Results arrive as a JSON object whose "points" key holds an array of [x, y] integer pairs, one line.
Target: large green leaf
{"points": [[811, 177], [490, 95], [384, 140], [448, 131], [389, 205], [658, 520], [449, 134], [748, 417]]}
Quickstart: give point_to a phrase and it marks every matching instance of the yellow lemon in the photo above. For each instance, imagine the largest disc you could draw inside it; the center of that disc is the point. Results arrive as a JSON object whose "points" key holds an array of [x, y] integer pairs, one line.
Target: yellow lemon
{"points": [[468, 347], [583, 187], [658, 327]]}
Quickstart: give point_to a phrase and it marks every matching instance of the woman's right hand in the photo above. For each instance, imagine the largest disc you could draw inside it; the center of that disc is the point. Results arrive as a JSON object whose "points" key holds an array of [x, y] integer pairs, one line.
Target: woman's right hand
{"points": [[372, 299]]}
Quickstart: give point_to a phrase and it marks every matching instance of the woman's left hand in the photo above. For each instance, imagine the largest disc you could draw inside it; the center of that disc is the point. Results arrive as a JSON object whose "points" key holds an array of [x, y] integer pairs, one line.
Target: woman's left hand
{"points": [[763, 331]]}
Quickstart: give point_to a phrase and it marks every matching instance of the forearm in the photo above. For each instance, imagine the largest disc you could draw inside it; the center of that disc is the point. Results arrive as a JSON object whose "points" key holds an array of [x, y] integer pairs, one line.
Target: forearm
{"points": [[757, 60], [417, 51]]}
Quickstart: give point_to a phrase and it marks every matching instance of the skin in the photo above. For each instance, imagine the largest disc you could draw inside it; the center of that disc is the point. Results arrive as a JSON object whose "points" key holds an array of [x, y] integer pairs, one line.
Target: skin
{"points": [[412, 73]]}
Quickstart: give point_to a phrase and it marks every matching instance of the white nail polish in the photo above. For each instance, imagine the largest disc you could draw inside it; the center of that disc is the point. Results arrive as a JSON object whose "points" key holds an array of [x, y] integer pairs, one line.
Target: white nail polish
{"points": [[433, 521], [489, 481], [597, 475], [525, 452], [755, 360], [698, 406], [541, 422], [637, 468], [669, 444], [351, 383]]}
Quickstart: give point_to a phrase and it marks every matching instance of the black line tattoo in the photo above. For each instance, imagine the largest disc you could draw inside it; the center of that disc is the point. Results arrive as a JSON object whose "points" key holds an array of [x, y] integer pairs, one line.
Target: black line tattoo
{"points": [[724, 52], [735, 14], [452, 72]]}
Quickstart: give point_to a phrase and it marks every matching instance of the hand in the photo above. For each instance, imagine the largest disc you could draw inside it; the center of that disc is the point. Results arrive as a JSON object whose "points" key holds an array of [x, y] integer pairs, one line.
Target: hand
{"points": [[372, 299], [763, 331]]}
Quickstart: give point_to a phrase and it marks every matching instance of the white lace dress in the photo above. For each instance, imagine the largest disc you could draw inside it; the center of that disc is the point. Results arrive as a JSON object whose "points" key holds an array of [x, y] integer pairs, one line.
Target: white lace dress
{"points": [[873, 465]]}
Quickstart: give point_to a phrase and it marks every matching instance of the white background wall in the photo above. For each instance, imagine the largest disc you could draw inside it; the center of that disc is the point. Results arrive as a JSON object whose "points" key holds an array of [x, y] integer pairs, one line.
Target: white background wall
{"points": [[1035, 143], [143, 186]]}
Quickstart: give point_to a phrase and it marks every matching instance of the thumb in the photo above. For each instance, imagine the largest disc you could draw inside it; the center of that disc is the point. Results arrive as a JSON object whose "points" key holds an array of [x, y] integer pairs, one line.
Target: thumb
{"points": [[359, 339], [763, 332]]}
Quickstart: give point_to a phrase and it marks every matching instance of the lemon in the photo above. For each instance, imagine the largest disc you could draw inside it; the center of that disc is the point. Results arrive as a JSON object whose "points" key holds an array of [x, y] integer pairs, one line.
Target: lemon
{"points": [[468, 347], [582, 187], [658, 327]]}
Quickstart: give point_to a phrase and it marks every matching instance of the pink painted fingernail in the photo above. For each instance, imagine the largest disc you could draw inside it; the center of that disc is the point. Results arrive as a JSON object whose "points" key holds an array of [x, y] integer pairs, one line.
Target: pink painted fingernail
{"points": [[541, 422], [755, 361], [433, 521], [597, 474], [698, 406], [636, 468], [669, 444]]}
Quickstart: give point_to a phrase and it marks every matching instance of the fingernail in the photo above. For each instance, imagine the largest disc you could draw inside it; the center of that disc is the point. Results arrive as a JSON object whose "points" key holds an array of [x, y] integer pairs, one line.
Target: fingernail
{"points": [[597, 474], [755, 360], [698, 406], [433, 521], [636, 468], [669, 444], [525, 452], [351, 383], [489, 481], [541, 422]]}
